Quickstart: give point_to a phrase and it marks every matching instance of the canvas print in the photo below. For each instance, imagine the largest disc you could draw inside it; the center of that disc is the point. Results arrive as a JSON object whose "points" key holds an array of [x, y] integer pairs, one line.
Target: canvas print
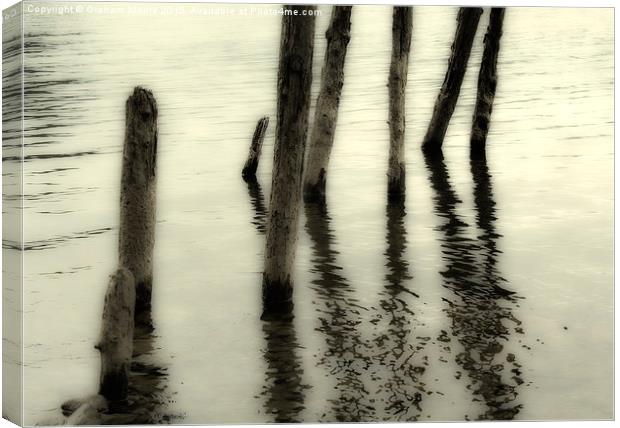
{"points": [[258, 213]]}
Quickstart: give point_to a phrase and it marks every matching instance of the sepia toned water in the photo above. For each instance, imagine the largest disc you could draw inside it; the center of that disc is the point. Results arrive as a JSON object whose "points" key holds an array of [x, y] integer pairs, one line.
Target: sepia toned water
{"points": [[486, 295]]}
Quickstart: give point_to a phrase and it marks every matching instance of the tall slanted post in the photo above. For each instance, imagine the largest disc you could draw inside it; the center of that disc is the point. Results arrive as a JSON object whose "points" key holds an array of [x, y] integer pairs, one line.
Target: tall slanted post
{"points": [[251, 164], [487, 84], [467, 23], [116, 342], [137, 222], [402, 25], [326, 115], [294, 81]]}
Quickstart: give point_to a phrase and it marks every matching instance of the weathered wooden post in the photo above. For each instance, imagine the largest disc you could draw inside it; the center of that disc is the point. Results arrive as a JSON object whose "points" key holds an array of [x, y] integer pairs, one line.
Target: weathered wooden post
{"points": [[487, 84], [294, 81], [137, 222], [251, 164], [116, 343], [324, 127], [402, 24], [467, 23]]}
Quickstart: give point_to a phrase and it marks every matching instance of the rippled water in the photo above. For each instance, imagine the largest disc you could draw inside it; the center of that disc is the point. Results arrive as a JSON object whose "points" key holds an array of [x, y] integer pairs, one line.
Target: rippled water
{"points": [[486, 295]]}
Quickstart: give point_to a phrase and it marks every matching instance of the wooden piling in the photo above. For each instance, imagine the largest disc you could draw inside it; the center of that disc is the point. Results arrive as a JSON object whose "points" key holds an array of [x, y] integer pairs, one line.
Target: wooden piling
{"points": [[116, 343], [294, 81], [251, 164], [402, 25], [487, 84], [326, 114], [137, 222], [467, 23]]}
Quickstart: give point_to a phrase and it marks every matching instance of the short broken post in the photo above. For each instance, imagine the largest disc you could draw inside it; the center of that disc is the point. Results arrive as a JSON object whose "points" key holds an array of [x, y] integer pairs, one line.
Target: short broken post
{"points": [[251, 164], [294, 82], [326, 114], [137, 222], [487, 84], [116, 342], [467, 23], [402, 25]]}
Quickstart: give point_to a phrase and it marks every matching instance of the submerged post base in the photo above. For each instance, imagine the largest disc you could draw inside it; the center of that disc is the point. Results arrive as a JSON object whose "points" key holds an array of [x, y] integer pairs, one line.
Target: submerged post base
{"points": [[315, 191], [396, 189], [477, 148], [143, 318], [114, 384], [116, 343], [277, 300], [432, 149]]}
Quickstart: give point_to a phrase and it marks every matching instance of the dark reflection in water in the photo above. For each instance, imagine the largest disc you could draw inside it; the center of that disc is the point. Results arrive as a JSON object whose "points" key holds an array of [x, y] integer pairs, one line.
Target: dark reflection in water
{"points": [[347, 356], [383, 379], [479, 307], [400, 391], [396, 240], [485, 220], [257, 199], [284, 388]]}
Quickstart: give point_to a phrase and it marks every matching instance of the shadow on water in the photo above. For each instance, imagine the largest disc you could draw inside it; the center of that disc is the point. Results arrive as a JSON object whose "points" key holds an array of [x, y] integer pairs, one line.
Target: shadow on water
{"points": [[347, 356], [479, 307], [401, 390], [284, 388]]}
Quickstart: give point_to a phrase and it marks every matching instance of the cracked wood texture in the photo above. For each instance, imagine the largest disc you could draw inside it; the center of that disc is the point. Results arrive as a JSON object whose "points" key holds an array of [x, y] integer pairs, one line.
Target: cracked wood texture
{"points": [[137, 223], [402, 27], [324, 127], [487, 84], [467, 23], [294, 81]]}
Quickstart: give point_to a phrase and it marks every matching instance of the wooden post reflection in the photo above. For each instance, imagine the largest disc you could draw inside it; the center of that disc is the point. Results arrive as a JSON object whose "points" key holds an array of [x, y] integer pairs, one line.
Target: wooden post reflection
{"points": [[347, 356], [283, 388], [257, 199], [400, 391], [480, 308]]}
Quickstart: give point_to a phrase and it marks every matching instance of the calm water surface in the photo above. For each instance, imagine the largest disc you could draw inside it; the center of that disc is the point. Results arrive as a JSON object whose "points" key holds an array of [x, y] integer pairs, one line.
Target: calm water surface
{"points": [[486, 295]]}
